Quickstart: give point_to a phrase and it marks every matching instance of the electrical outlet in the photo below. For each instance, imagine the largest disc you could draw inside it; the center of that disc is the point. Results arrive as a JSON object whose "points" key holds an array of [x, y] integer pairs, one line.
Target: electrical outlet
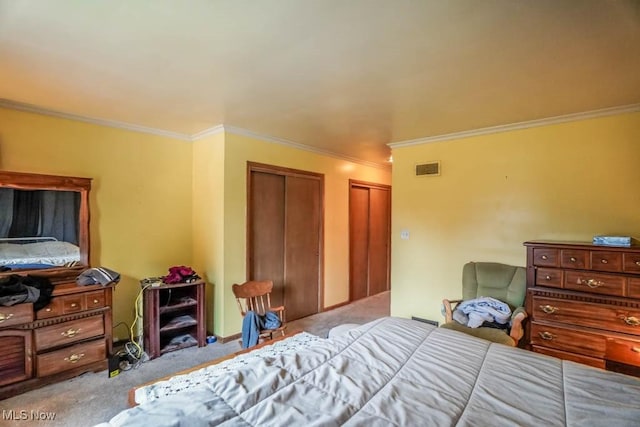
{"points": [[404, 234]]}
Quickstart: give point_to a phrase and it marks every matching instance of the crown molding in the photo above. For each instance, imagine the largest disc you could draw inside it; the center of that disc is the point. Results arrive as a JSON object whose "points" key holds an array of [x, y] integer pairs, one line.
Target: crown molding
{"points": [[14, 105], [633, 108], [207, 132], [281, 141], [214, 130]]}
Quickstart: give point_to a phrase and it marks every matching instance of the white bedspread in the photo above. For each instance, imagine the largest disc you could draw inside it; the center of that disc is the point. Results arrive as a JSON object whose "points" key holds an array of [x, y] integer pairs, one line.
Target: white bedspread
{"points": [[179, 383], [401, 372], [48, 253]]}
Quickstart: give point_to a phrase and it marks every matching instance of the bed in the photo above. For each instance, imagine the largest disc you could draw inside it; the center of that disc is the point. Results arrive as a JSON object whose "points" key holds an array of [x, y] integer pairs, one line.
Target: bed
{"points": [[37, 252], [395, 371]]}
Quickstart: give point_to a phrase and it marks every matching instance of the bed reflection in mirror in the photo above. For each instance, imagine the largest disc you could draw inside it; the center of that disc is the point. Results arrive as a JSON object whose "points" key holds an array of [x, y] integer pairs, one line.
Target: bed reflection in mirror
{"points": [[39, 229]]}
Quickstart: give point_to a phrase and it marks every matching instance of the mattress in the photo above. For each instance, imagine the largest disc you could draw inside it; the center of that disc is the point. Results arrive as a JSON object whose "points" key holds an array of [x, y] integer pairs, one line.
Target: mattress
{"points": [[401, 372]]}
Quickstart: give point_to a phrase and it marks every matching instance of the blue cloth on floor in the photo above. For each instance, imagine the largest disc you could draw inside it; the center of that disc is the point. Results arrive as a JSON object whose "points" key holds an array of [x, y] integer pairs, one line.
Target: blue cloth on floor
{"points": [[253, 323]]}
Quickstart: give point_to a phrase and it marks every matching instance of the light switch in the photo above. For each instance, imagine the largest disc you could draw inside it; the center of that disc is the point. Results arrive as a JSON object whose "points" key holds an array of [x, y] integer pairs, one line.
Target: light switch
{"points": [[404, 234]]}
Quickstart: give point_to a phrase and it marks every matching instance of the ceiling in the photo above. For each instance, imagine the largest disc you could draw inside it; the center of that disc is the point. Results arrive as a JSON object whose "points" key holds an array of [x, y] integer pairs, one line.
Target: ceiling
{"points": [[345, 77]]}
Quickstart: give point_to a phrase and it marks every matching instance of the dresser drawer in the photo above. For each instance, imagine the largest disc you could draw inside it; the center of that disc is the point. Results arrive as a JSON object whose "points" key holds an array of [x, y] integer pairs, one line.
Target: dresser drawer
{"points": [[68, 332], [631, 262], [593, 315], [633, 287], [623, 351], [53, 309], [567, 339], [545, 257], [16, 314], [574, 258], [93, 300], [549, 277], [72, 303], [586, 281], [606, 261], [70, 357], [574, 357]]}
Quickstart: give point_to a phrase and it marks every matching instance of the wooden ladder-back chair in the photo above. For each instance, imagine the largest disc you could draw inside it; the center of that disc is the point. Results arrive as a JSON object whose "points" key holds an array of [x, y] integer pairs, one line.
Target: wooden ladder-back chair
{"points": [[256, 296]]}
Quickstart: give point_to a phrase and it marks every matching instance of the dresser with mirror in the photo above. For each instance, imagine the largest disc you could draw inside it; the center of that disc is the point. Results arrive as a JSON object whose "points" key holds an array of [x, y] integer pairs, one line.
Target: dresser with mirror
{"points": [[44, 239]]}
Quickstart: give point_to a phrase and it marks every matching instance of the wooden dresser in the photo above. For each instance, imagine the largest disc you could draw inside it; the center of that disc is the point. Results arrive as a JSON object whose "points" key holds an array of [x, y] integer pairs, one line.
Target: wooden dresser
{"points": [[584, 303], [69, 336], [72, 333]]}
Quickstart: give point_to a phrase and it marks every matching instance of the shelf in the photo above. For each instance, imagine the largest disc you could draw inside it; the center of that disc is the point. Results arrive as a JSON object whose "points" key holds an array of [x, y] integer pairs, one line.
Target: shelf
{"points": [[178, 306], [180, 347], [174, 317], [178, 343], [179, 322]]}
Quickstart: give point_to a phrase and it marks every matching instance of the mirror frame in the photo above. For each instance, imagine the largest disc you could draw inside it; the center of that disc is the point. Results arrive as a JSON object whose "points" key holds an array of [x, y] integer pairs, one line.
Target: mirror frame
{"points": [[33, 181]]}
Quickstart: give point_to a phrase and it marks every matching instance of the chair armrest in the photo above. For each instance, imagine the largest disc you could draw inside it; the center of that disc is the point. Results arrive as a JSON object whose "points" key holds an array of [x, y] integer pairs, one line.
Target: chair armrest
{"points": [[280, 311], [517, 330], [518, 310], [448, 308]]}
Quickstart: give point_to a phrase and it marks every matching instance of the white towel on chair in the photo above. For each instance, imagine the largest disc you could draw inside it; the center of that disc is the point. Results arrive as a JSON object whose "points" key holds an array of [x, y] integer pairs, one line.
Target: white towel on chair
{"points": [[484, 309]]}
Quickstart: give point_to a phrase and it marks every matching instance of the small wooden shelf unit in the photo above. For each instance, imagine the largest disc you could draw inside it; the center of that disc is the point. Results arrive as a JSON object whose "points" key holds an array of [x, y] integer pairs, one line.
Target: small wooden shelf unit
{"points": [[174, 317]]}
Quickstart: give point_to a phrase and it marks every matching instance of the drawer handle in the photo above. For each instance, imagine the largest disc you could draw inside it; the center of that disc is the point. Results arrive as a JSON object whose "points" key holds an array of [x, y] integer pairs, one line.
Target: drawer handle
{"points": [[547, 336], [592, 283], [48, 310], [635, 349], [74, 305], [70, 333], [604, 261], [95, 301], [547, 277], [74, 357], [549, 309], [638, 263], [632, 321], [544, 257], [4, 317], [573, 259]]}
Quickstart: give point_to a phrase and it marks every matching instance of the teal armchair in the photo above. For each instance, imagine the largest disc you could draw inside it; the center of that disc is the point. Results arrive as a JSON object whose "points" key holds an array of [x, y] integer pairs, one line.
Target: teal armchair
{"points": [[504, 282]]}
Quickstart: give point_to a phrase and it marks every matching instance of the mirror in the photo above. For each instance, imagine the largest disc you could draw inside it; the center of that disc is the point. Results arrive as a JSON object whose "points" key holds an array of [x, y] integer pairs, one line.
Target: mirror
{"points": [[44, 223]]}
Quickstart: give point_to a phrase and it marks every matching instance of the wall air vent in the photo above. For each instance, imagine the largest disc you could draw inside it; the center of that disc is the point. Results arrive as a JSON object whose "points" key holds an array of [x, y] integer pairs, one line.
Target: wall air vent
{"points": [[428, 169]]}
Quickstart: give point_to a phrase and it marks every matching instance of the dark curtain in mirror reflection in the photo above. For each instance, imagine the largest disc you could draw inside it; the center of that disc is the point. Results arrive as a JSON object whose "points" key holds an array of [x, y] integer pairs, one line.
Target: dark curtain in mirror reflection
{"points": [[39, 213]]}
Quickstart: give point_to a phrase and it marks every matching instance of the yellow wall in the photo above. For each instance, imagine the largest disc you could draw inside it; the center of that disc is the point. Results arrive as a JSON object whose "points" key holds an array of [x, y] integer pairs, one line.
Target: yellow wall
{"points": [[239, 150], [140, 199], [208, 220], [566, 181]]}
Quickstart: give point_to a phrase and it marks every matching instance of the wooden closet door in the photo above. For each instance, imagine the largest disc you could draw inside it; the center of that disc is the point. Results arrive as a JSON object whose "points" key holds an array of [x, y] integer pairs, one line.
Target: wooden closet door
{"points": [[266, 231], [369, 239], [302, 246], [379, 237], [284, 235], [359, 242]]}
